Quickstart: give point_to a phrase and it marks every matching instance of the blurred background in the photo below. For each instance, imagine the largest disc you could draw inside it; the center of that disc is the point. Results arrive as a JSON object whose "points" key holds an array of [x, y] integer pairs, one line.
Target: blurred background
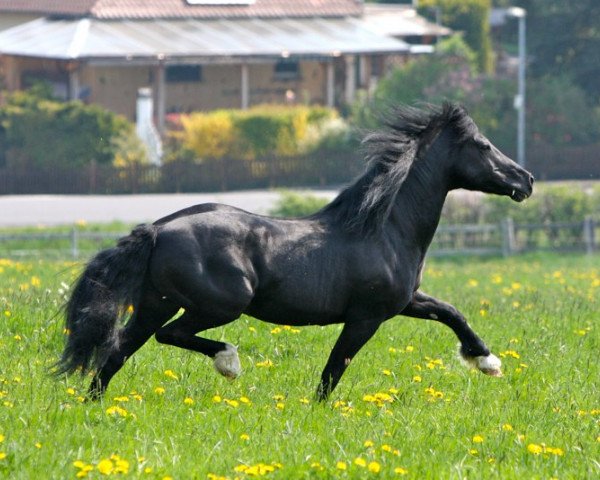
{"points": [[191, 96]]}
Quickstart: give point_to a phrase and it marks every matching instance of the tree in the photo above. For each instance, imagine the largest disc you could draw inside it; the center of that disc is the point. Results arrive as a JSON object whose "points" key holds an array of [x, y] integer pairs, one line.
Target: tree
{"points": [[564, 37]]}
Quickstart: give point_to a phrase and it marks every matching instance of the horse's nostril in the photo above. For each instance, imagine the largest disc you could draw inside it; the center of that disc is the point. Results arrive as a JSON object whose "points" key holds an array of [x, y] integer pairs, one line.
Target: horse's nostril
{"points": [[531, 180]]}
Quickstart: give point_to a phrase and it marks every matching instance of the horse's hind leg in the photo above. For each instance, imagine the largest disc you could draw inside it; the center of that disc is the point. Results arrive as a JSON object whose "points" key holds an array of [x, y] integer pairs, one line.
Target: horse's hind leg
{"points": [[152, 313], [182, 333], [473, 349]]}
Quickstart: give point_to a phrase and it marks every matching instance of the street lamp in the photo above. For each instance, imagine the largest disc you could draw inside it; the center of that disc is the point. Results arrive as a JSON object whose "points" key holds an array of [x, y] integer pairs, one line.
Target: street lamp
{"points": [[520, 13]]}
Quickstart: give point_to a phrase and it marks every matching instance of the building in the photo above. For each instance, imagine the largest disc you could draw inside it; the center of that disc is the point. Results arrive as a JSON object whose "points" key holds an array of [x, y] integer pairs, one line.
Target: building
{"points": [[194, 54]]}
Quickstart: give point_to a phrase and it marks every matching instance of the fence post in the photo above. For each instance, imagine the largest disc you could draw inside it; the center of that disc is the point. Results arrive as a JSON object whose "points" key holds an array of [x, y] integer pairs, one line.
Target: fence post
{"points": [[588, 234], [508, 237], [74, 243]]}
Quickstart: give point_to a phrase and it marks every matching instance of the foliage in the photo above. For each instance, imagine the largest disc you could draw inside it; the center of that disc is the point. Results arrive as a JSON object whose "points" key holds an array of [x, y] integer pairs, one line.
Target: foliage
{"points": [[257, 132], [292, 204], [40, 131], [550, 203], [470, 17], [405, 408], [564, 37], [129, 150]]}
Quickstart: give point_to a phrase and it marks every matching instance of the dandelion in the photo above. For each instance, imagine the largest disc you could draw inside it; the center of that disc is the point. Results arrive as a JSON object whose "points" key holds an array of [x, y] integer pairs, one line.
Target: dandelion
{"points": [[2, 438], [35, 281], [245, 437], [265, 364], [401, 471], [417, 379], [409, 348], [188, 401], [304, 401], [171, 374], [116, 411], [374, 467], [472, 283], [368, 444], [392, 350], [121, 399], [245, 400], [477, 439], [507, 427], [474, 451], [216, 399], [317, 466], [71, 391], [341, 465], [159, 390], [105, 466], [386, 372], [361, 462], [2, 455], [535, 449], [280, 405], [232, 403]]}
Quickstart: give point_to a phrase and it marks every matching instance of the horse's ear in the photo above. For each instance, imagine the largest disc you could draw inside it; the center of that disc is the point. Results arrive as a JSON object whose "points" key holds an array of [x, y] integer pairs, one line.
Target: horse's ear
{"points": [[429, 135]]}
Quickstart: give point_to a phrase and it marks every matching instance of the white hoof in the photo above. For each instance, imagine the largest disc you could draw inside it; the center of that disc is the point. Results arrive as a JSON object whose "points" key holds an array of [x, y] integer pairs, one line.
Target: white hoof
{"points": [[488, 364], [227, 362]]}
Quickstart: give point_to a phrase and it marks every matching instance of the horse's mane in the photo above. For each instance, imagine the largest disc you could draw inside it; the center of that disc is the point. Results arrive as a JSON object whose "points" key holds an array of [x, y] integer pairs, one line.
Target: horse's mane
{"points": [[365, 205]]}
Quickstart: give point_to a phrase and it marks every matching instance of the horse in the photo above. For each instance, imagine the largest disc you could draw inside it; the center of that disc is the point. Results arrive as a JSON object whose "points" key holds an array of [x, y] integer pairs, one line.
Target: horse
{"points": [[358, 261]]}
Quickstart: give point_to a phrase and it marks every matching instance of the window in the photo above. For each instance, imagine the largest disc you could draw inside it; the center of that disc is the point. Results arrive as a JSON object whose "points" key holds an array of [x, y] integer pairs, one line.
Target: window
{"points": [[184, 73], [287, 70]]}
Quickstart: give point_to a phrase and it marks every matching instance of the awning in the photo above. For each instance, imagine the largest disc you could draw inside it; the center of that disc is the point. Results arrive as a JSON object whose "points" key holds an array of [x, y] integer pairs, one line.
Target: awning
{"points": [[176, 40]]}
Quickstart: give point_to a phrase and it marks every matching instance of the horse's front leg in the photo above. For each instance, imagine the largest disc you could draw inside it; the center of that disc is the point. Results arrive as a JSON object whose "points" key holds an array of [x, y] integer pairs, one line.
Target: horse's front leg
{"points": [[354, 335], [473, 350]]}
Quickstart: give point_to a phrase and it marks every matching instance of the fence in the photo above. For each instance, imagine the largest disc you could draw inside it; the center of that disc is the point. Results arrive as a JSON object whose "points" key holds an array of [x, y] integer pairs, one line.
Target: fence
{"points": [[506, 238], [177, 177]]}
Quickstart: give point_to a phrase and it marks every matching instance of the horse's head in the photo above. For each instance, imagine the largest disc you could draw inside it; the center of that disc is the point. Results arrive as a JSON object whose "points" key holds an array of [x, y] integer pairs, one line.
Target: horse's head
{"points": [[479, 165]]}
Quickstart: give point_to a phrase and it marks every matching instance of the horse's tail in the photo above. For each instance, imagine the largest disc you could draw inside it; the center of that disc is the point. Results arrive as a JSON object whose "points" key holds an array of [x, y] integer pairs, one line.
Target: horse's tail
{"points": [[110, 283]]}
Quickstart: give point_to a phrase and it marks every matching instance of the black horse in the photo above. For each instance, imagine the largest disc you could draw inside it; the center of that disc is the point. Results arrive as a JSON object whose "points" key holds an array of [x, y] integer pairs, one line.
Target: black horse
{"points": [[358, 261]]}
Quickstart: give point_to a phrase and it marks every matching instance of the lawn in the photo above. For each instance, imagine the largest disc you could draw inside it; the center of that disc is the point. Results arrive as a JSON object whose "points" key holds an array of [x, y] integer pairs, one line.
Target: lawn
{"points": [[405, 408]]}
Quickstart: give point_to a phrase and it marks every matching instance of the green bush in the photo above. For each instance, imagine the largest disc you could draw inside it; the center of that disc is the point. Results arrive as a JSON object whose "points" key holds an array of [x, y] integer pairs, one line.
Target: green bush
{"points": [[38, 131], [472, 18], [297, 205]]}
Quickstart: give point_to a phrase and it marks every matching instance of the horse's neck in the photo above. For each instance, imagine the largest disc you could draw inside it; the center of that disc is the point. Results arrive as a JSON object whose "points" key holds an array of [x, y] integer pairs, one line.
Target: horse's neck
{"points": [[418, 205]]}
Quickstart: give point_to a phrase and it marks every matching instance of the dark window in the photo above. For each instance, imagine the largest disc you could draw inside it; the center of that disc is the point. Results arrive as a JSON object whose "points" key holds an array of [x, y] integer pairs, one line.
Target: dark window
{"points": [[287, 70], [184, 73]]}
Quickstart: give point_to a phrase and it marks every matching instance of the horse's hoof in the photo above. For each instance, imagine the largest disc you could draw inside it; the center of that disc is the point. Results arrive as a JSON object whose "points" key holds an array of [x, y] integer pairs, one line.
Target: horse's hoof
{"points": [[488, 364], [227, 362]]}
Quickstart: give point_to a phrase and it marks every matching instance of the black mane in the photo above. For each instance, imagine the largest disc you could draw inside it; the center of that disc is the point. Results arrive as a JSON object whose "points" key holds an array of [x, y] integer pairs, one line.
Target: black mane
{"points": [[365, 205]]}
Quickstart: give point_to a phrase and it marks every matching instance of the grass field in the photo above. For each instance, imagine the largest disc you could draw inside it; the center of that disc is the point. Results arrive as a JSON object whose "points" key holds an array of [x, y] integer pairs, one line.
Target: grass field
{"points": [[405, 408]]}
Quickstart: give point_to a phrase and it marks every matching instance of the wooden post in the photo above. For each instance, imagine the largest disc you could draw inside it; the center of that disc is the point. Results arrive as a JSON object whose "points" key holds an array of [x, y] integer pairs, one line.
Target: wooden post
{"points": [[330, 83], [74, 243], [508, 237], [588, 234]]}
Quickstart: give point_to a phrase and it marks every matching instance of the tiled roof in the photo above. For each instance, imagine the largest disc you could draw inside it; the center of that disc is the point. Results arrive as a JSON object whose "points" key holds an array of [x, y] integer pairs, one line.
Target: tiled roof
{"points": [[150, 9]]}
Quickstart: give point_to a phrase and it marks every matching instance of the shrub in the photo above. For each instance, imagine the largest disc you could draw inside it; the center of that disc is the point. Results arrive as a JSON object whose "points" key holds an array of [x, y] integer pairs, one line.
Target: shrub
{"points": [[40, 131], [293, 204]]}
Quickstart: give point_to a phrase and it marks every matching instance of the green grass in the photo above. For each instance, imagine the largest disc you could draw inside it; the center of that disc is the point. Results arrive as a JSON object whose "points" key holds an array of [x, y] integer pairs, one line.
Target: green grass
{"points": [[543, 309]]}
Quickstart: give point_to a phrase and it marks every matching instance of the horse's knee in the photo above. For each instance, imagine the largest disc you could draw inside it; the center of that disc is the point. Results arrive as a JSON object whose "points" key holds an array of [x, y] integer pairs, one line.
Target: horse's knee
{"points": [[165, 335]]}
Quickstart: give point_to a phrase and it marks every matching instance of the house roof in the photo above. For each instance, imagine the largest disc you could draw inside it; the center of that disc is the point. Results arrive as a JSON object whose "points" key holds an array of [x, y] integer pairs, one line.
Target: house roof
{"points": [[121, 41], [147, 9], [400, 21]]}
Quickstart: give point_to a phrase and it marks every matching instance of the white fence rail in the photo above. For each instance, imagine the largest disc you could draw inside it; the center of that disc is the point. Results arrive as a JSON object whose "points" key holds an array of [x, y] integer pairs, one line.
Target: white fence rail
{"points": [[503, 239]]}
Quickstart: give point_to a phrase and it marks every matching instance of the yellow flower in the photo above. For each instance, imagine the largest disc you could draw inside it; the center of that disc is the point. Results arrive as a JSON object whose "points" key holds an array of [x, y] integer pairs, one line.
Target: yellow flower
{"points": [[245, 437], [535, 449], [232, 403], [477, 439], [361, 462], [216, 399], [35, 281], [507, 427], [386, 372], [245, 400], [280, 405], [409, 348], [265, 364], [341, 465], [368, 443], [374, 467], [159, 390], [171, 374], [2, 455], [188, 401], [304, 401], [417, 379], [105, 467], [400, 471], [116, 411]]}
